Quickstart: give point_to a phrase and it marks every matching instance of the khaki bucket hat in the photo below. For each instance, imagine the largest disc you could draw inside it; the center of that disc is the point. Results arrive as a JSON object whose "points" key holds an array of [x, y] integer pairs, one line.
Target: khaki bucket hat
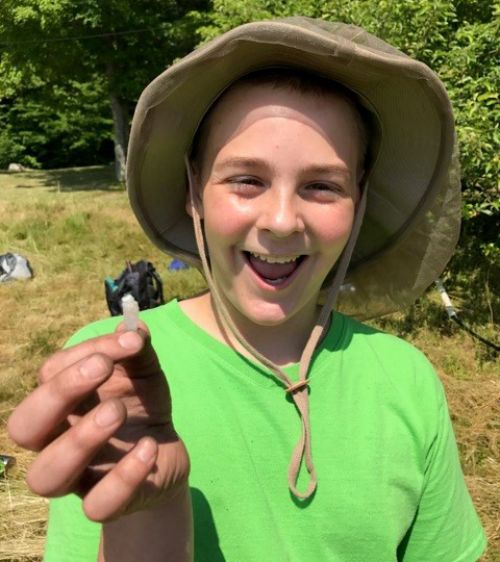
{"points": [[412, 217]]}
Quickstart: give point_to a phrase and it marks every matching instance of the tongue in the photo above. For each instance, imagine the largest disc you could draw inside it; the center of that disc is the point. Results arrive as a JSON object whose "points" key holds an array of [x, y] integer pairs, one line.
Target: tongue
{"points": [[272, 270]]}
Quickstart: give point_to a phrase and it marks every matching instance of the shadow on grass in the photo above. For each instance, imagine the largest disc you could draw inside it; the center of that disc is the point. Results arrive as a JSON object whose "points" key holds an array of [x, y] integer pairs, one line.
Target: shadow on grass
{"points": [[100, 178]]}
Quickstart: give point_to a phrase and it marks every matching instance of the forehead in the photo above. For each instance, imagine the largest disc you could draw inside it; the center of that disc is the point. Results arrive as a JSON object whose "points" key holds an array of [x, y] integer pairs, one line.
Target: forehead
{"points": [[243, 105]]}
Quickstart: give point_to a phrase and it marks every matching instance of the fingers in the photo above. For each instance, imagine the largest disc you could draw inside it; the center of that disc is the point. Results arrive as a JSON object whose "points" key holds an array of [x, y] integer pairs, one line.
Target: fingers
{"points": [[109, 497], [117, 346], [57, 468], [34, 421], [132, 349]]}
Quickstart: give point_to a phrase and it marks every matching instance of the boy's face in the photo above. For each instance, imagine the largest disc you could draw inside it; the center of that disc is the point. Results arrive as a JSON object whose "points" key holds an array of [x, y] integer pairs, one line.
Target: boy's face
{"points": [[278, 190]]}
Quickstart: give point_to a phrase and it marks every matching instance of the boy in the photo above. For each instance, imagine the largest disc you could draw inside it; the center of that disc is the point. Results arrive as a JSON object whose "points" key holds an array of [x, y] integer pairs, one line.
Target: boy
{"points": [[289, 127]]}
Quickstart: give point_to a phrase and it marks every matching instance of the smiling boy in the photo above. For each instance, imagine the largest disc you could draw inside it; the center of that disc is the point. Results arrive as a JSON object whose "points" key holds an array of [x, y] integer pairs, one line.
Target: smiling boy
{"points": [[288, 212], [255, 158]]}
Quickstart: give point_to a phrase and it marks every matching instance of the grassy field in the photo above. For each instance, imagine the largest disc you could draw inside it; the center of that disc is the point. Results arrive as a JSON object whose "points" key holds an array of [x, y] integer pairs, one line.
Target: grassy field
{"points": [[76, 228]]}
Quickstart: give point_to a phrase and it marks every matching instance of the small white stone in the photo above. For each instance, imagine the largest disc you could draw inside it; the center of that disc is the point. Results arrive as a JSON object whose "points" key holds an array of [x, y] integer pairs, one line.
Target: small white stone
{"points": [[130, 309]]}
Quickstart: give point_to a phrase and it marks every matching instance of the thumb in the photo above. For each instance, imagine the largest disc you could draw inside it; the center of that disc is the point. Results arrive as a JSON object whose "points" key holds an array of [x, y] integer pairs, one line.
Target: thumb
{"points": [[143, 362]]}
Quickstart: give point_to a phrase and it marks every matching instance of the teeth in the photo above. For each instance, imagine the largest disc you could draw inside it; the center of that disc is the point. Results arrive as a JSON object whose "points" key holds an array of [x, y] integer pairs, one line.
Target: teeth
{"points": [[275, 259]]}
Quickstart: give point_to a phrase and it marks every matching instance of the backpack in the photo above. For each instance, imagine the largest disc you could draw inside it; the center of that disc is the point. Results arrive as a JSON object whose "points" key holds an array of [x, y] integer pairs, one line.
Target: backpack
{"points": [[139, 279]]}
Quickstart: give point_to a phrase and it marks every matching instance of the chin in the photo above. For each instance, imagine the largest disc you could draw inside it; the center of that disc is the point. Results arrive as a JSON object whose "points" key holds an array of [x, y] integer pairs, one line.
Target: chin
{"points": [[266, 314]]}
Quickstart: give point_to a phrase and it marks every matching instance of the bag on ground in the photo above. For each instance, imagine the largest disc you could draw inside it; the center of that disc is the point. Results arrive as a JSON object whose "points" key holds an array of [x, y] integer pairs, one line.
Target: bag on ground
{"points": [[177, 265], [14, 266]]}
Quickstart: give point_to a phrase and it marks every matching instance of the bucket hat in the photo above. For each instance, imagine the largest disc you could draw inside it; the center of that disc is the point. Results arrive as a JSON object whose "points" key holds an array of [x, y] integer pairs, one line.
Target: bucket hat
{"points": [[412, 216]]}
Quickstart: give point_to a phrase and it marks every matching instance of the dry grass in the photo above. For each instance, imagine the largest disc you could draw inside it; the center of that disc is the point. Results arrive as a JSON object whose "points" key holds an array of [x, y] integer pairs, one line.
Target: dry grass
{"points": [[76, 228], [23, 520]]}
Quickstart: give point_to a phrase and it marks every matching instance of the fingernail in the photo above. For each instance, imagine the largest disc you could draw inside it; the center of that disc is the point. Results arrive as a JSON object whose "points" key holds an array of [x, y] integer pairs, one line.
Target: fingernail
{"points": [[93, 368], [107, 414], [130, 340], [145, 450]]}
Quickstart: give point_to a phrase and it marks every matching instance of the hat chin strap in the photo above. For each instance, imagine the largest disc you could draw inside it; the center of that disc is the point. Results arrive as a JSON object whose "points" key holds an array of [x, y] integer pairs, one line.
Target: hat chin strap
{"points": [[297, 390]]}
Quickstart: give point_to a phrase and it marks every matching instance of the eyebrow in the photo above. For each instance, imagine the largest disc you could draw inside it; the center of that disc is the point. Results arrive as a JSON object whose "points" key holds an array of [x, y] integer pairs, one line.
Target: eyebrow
{"points": [[250, 162], [328, 169], [242, 161]]}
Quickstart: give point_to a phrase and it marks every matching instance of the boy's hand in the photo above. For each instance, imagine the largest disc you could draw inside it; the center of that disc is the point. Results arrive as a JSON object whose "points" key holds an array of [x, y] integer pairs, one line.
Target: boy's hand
{"points": [[101, 422]]}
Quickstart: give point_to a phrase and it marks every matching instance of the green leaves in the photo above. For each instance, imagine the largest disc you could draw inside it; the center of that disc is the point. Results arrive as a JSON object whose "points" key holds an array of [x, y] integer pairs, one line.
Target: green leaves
{"points": [[61, 61], [58, 125]]}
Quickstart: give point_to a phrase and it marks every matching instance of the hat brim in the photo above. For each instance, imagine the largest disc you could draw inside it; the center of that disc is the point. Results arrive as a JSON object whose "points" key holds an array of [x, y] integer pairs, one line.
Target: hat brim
{"points": [[413, 212]]}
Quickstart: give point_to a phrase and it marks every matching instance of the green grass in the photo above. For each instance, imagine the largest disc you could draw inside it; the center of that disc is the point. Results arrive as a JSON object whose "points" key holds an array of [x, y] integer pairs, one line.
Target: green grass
{"points": [[76, 228]]}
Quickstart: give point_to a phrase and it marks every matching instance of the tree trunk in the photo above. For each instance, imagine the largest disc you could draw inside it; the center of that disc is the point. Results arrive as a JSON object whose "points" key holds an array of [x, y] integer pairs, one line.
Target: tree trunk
{"points": [[120, 135]]}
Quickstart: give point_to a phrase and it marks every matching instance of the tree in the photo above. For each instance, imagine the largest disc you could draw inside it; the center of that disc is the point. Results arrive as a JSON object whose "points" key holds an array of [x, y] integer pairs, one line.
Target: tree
{"points": [[56, 125], [117, 45]]}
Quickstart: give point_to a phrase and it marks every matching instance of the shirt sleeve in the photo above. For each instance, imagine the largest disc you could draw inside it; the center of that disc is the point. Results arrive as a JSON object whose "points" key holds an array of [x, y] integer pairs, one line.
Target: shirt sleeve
{"points": [[446, 527]]}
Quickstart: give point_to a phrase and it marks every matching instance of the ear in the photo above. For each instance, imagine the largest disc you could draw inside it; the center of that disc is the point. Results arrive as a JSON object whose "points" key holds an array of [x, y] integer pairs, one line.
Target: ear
{"points": [[196, 193]]}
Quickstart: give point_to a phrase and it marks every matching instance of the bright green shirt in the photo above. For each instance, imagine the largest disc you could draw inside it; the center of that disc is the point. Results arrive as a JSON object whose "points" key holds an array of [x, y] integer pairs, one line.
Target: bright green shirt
{"points": [[390, 486]]}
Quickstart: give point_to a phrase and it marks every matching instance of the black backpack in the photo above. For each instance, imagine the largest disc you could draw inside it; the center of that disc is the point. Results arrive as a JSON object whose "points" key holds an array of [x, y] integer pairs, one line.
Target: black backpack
{"points": [[141, 280]]}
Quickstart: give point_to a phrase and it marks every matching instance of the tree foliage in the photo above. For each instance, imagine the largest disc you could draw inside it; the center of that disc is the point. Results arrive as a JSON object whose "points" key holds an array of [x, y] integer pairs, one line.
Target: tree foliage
{"points": [[53, 48], [127, 41], [68, 122]]}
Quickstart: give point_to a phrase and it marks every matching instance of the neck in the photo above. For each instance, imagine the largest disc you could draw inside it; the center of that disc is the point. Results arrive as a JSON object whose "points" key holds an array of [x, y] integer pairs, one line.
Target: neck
{"points": [[282, 344]]}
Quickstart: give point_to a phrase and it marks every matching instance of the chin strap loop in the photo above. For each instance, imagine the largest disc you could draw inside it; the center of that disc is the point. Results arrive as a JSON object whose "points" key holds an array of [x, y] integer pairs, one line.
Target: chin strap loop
{"points": [[297, 386], [298, 390]]}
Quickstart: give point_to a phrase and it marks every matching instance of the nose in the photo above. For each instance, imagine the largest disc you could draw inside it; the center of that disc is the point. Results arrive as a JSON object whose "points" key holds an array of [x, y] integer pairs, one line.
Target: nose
{"points": [[280, 214]]}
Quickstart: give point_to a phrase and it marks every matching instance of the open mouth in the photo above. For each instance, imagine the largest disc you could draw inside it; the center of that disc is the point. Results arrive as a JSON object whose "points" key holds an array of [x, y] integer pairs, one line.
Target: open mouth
{"points": [[273, 270]]}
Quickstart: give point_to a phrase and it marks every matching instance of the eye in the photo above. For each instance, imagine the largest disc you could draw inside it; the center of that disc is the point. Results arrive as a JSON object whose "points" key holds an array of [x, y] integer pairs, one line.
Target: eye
{"points": [[245, 185], [320, 186], [325, 191], [246, 180]]}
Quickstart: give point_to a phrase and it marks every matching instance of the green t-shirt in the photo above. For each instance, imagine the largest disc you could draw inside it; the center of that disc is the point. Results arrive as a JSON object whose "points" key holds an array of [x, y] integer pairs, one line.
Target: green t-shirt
{"points": [[390, 486]]}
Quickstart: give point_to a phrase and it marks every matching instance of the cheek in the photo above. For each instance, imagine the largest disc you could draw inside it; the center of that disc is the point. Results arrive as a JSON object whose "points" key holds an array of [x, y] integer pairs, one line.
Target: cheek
{"points": [[226, 220], [334, 225]]}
